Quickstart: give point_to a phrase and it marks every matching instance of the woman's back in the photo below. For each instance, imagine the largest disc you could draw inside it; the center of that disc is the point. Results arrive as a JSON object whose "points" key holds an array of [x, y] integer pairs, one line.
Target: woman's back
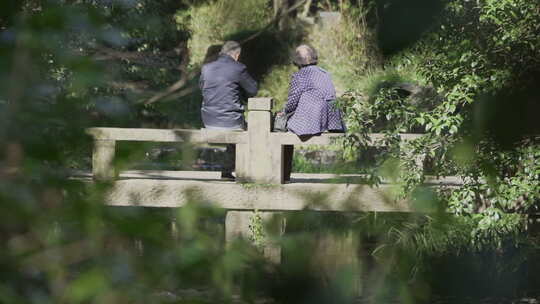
{"points": [[311, 96], [318, 81]]}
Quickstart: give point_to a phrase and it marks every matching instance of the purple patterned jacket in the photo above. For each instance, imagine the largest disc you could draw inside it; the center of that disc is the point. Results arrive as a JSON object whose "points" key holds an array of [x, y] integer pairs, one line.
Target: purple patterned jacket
{"points": [[311, 93]]}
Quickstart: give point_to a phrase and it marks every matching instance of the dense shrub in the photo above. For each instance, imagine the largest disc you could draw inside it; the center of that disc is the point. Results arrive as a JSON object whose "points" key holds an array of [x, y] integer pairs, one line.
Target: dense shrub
{"points": [[347, 50], [482, 59]]}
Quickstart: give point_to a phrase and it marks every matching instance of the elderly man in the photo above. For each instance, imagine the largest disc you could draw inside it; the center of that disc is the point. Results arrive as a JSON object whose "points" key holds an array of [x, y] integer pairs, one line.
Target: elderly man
{"points": [[310, 101], [224, 84]]}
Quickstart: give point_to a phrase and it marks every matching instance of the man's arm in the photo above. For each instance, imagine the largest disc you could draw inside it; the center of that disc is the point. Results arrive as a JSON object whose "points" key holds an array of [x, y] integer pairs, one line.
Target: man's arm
{"points": [[247, 83]]}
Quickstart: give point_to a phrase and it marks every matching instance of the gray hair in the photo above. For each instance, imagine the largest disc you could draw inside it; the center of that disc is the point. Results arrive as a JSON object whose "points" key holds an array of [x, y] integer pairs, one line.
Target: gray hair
{"points": [[230, 48], [304, 55]]}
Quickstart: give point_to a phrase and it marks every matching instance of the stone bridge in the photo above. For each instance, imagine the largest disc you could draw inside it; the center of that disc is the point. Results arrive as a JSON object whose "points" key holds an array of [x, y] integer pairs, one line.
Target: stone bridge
{"points": [[259, 171]]}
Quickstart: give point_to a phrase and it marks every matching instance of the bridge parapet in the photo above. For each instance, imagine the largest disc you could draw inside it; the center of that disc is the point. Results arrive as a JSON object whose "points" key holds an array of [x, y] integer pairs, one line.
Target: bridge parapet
{"points": [[259, 159], [259, 151]]}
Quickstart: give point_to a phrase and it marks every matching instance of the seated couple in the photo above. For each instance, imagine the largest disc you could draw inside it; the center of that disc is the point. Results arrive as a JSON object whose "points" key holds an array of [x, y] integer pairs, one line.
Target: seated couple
{"points": [[311, 94]]}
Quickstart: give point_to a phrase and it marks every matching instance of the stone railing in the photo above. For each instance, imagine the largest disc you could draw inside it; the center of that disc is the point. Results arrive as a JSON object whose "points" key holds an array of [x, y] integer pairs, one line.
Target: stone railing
{"points": [[259, 151]]}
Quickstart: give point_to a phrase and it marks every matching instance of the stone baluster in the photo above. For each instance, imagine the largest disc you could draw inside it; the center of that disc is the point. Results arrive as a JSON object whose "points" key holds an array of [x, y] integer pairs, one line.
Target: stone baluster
{"points": [[238, 226], [102, 159], [260, 160]]}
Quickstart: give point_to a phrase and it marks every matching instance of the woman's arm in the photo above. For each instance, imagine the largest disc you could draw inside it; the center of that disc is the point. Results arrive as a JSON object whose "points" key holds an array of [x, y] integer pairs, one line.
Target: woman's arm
{"points": [[295, 92]]}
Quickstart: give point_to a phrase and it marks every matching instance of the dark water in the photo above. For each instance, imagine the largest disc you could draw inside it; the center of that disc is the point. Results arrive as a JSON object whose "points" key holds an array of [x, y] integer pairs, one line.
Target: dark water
{"points": [[198, 294], [506, 276]]}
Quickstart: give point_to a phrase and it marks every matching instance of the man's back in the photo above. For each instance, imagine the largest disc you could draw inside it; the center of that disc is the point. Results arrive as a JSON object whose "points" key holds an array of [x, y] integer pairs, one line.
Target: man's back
{"points": [[223, 83]]}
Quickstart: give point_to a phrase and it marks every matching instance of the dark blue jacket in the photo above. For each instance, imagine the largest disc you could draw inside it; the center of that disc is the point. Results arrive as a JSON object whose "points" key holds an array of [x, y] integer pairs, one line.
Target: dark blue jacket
{"points": [[224, 83]]}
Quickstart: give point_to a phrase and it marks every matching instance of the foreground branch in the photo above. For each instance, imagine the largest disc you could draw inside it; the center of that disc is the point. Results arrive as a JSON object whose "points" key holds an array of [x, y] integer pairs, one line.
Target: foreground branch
{"points": [[185, 77]]}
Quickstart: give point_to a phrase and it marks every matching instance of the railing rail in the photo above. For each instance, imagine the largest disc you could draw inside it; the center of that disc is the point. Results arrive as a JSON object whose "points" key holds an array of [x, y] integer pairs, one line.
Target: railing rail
{"points": [[259, 151], [168, 135]]}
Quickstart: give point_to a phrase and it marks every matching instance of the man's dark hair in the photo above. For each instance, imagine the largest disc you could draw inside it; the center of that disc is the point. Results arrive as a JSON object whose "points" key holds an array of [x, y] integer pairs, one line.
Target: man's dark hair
{"points": [[304, 55], [230, 47]]}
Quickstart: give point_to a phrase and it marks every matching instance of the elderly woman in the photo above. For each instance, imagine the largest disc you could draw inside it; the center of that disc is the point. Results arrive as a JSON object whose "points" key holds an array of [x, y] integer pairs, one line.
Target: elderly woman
{"points": [[311, 94], [310, 101]]}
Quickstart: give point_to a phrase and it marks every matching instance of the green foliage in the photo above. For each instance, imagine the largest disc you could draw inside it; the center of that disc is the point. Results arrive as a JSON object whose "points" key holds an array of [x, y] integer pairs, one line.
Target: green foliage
{"points": [[214, 22], [382, 107], [304, 164], [502, 58], [508, 46], [256, 227], [347, 50], [425, 235], [61, 244], [475, 51]]}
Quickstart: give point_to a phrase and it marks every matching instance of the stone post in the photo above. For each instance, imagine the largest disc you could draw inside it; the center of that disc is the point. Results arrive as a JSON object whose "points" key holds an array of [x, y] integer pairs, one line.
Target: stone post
{"points": [[237, 226], [102, 159], [242, 163], [258, 161], [328, 20], [261, 167]]}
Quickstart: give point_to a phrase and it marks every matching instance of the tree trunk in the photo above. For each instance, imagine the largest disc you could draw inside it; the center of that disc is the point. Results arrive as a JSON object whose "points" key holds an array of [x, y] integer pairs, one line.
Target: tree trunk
{"points": [[281, 6], [307, 6]]}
